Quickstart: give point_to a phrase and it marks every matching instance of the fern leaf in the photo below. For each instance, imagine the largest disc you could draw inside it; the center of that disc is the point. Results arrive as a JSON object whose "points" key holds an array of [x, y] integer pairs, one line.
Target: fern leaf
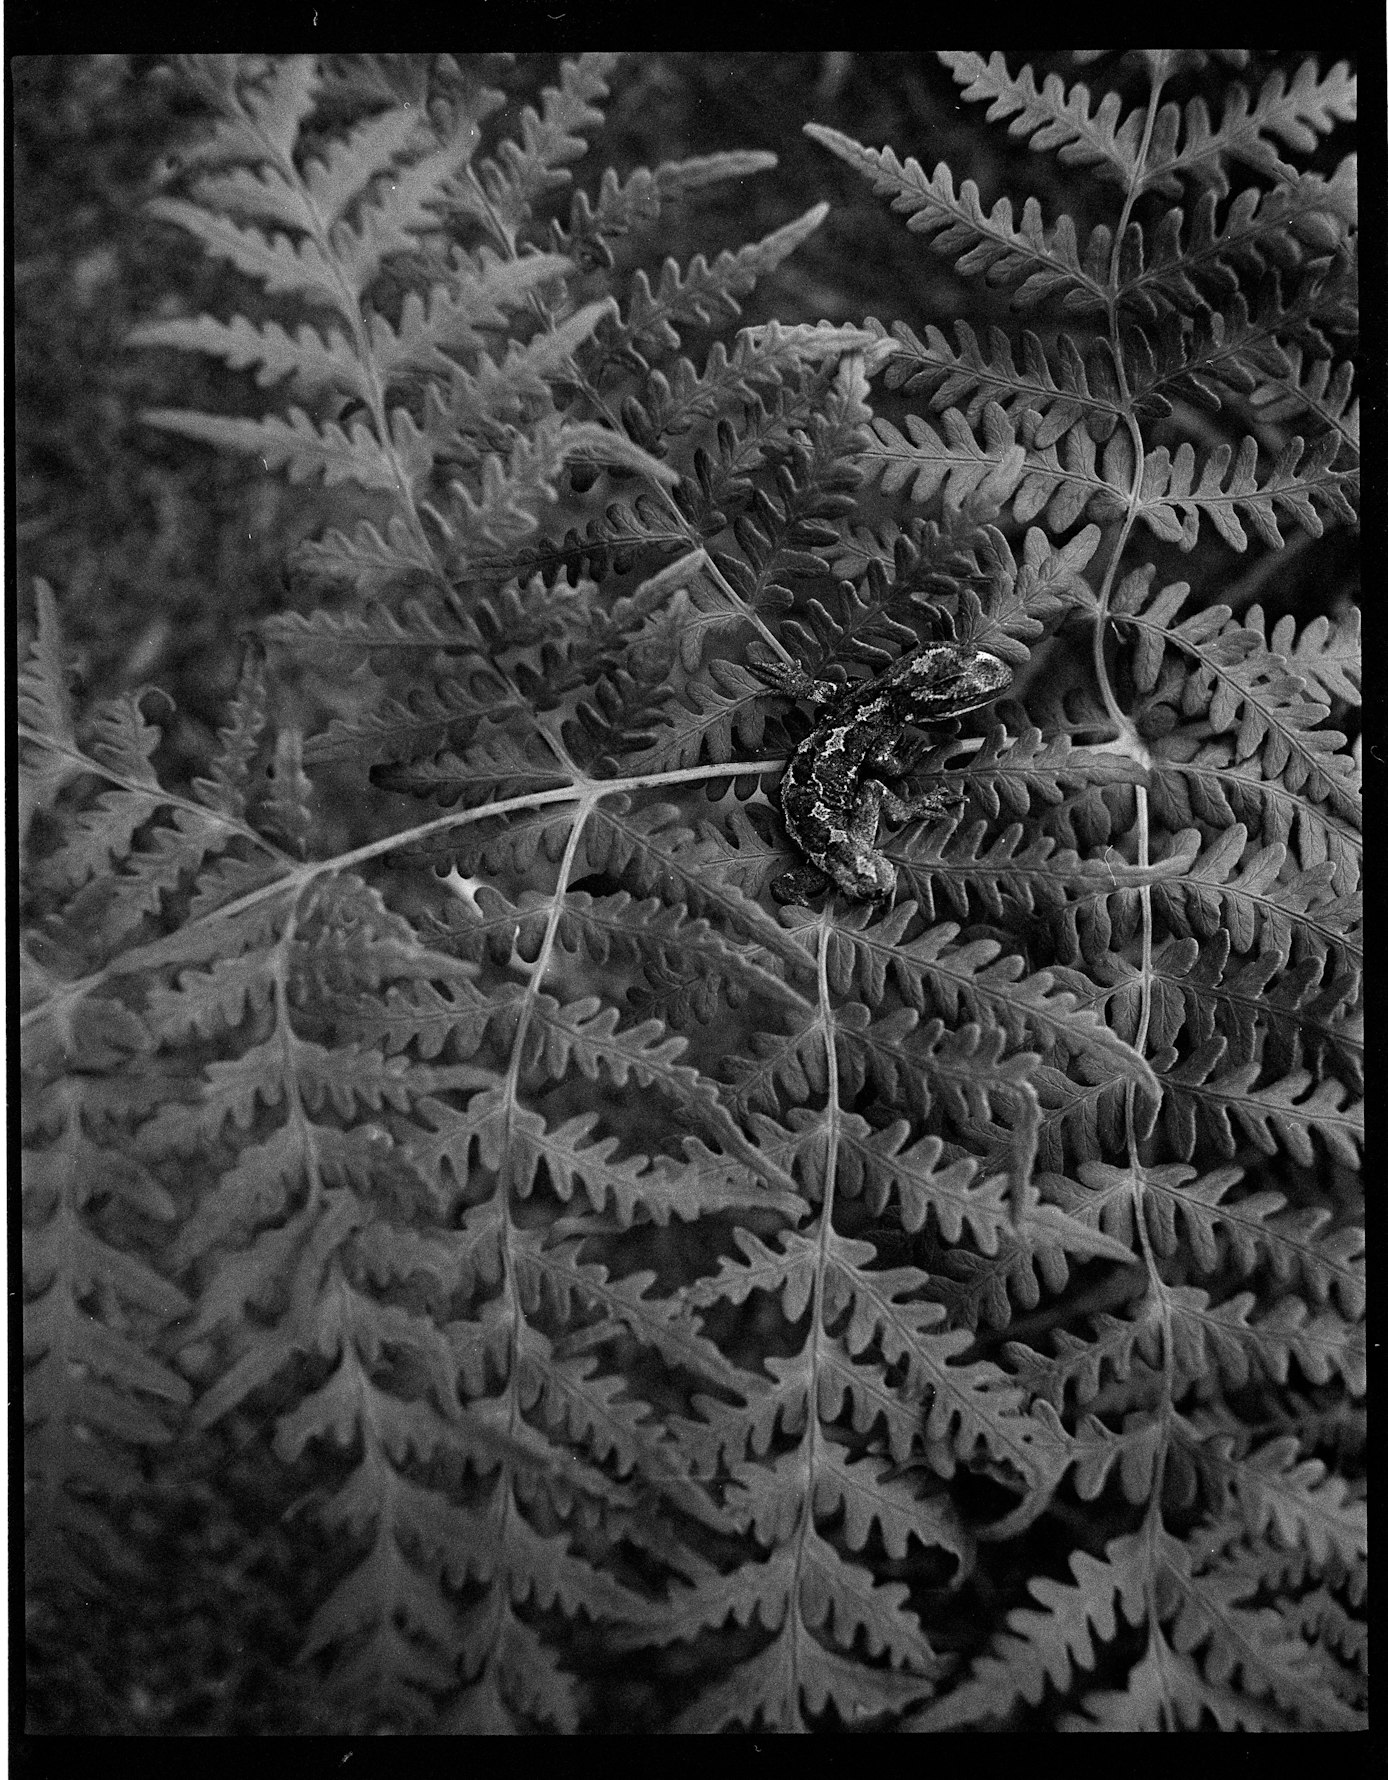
{"points": [[1087, 392], [43, 682], [1295, 113], [313, 360], [1256, 696], [1298, 219], [1319, 388], [1047, 1646], [283, 266], [1049, 117], [1172, 503], [299, 445], [1327, 653], [1257, 906], [1271, 1117], [976, 975], [703, 294], [458, 317], [1039, 262], [637, 201], [1275, 1486], [347, 166], [1205, 1335], [388, 224], [525, 171], [264, 112], [636, 1264]]}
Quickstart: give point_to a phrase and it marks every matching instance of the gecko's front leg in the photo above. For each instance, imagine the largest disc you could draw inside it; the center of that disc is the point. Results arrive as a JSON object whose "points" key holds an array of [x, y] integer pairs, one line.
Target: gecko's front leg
{"points": [[791, 681], [927, 806]]}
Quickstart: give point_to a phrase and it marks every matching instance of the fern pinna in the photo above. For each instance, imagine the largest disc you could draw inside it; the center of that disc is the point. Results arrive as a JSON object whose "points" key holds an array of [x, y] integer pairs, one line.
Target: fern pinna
{"points": [[936, 1313]]}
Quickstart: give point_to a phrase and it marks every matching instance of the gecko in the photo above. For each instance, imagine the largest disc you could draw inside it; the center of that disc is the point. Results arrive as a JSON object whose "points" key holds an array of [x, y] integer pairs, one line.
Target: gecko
{"points": [[833, 792]]}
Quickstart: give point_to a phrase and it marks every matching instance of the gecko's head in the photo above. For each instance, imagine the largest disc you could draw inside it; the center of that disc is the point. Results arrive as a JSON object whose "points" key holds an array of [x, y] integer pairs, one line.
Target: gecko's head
{"points": [[972, 678], [944, 680]]}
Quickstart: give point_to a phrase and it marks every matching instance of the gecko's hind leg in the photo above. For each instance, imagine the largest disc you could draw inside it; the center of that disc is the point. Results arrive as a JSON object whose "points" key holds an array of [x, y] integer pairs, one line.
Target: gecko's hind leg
{"points": [[791, 681]]}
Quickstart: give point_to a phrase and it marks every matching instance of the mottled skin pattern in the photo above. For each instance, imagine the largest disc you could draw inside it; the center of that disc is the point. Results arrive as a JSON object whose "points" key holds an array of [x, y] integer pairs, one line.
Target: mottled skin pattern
{"points": [[833, 794]]}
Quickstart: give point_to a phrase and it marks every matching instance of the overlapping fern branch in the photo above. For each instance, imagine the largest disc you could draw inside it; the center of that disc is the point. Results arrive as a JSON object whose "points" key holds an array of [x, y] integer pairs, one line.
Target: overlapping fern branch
{"points": [[644, 1269]]}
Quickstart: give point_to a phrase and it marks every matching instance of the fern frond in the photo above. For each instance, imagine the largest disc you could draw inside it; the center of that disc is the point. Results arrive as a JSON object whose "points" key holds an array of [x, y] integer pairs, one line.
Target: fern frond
{"points": [[1294, 113], [445, 1110], [703, 294], [96, 1392], [932, 970], [1182, 143], [1049, 117], [1320, 388], [1255, 693], [298, 445], [1251, 900], [1297, 220], [968, 378], [1272, 1117], [624, 205], [1172, 503], [524, 171], [261, 109], [1039, 262]]}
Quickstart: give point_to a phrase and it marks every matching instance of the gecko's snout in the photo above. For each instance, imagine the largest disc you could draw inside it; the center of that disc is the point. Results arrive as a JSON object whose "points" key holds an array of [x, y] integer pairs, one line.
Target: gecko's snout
{"points": [[992, 675]]}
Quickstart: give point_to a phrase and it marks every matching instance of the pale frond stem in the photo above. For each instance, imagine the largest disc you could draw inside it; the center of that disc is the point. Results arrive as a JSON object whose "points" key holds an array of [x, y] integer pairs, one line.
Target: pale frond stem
{"points": [[1155, 1284], [1117, 715], [1144, 1004], [550, 733], [284, 1027], [581, 380], [441, 824], [1151, 1533], [1120, 719], [503, 237], [350, 311], [684, 775], [826, 1225], [160, 798], [831, 1061], [546, 952], [575, 793], [158, 952], [1130, 197], [380, 417], [499, 1597], [1111, 704], [510, 1091]]}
